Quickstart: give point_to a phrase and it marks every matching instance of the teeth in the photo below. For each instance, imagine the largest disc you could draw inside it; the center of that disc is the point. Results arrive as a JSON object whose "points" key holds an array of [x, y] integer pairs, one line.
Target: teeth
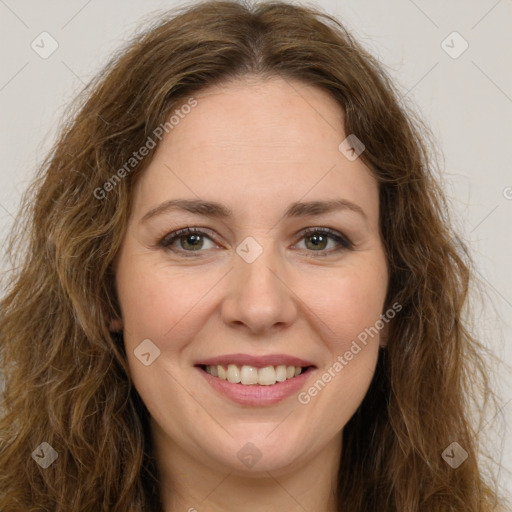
{"points": [[222, 374], [250, 375], [281, 373], [233, 373], [267, 376]]}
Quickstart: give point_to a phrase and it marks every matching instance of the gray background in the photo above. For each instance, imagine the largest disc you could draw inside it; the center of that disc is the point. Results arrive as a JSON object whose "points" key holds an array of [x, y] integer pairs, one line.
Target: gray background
{"points": [[466, 100]]}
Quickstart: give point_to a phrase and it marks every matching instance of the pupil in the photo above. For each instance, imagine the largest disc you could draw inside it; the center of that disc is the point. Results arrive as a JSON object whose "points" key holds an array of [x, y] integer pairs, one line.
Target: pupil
{"points": [[197, 239], [320, 239]]}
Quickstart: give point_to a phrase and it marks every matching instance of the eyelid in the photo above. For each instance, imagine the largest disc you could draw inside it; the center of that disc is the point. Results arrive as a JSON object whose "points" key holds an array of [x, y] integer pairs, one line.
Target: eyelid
{"points": [[335, 235], [344, 243], [169, 238]]}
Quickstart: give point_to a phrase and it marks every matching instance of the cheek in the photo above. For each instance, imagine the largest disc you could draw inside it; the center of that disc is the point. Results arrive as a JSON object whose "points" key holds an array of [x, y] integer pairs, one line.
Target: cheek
{"points": [[349, 303], [157, 301], [351, 307], [162, 306]]}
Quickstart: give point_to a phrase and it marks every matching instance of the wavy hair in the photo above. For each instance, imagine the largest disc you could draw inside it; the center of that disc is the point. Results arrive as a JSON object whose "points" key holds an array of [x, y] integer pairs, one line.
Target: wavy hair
{"points": [[66, 376]]}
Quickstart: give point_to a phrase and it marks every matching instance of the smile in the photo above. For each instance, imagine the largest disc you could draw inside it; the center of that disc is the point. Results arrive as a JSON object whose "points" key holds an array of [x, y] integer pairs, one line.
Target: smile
{"points": [[254, 383], [252, 375]]}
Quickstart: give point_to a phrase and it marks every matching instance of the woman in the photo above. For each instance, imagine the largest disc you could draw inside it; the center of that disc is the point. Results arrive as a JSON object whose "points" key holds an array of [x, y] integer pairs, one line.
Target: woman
{"points": [[241, 289]]}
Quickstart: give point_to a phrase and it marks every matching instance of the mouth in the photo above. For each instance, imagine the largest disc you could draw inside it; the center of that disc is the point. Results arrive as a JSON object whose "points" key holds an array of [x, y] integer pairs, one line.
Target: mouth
{"points": [[256, 381], [247, 375]]}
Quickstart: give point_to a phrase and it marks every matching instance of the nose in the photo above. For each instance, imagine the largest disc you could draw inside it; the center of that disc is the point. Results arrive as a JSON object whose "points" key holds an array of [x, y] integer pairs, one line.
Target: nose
{"points": [[258, 298]]}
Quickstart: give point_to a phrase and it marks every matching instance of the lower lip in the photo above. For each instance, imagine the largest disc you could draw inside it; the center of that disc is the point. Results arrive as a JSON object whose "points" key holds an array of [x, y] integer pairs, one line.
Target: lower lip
{"points": [[257, 395]]}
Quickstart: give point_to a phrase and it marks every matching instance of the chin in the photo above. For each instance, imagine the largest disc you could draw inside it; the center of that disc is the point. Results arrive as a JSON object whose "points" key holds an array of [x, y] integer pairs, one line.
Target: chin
{"points": [[255, 451]]}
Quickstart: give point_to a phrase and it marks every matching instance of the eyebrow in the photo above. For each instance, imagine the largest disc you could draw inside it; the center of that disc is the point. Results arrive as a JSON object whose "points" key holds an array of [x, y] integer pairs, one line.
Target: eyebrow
{"points": [[218, 210]]}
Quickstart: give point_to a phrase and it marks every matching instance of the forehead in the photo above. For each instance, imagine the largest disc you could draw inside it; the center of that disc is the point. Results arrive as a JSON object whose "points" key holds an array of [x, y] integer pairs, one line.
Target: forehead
{"points": [[276, 138], [273, 113]]}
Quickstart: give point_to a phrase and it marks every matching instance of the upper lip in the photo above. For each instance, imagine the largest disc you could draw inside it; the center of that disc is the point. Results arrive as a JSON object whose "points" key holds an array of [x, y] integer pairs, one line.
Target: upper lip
{"points": [[259, 361]]}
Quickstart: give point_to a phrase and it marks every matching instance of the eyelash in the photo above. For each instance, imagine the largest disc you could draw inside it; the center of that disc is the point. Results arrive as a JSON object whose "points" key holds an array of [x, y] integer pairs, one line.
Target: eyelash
{"points": [[343, 242]]}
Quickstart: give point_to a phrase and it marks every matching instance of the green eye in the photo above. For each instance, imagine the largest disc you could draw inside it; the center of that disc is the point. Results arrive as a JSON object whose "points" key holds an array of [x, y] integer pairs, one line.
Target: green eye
{"points": [[320, 238], [189, 239], [192, 240]]}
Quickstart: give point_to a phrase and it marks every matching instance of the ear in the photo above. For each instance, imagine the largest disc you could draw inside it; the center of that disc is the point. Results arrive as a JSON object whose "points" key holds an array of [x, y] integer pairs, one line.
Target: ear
{"points": [[116, 325]]}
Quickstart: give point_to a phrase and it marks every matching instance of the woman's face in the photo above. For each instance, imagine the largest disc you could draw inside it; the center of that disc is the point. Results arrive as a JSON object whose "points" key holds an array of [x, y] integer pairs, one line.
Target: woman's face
{"points": [[250, 168]]}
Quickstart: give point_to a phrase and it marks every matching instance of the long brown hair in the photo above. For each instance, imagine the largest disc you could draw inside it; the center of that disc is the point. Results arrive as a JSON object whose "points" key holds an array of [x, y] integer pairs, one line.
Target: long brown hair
{"points": [[66, 376]]}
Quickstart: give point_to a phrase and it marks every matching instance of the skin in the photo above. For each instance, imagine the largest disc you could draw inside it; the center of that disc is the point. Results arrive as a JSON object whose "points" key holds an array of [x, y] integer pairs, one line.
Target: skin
{"points": [[256, 146]]}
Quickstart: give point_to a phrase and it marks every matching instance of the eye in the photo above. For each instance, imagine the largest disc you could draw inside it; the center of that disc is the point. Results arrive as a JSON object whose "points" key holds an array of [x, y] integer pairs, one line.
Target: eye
{"points": [[191, 240], [319, 239]]}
